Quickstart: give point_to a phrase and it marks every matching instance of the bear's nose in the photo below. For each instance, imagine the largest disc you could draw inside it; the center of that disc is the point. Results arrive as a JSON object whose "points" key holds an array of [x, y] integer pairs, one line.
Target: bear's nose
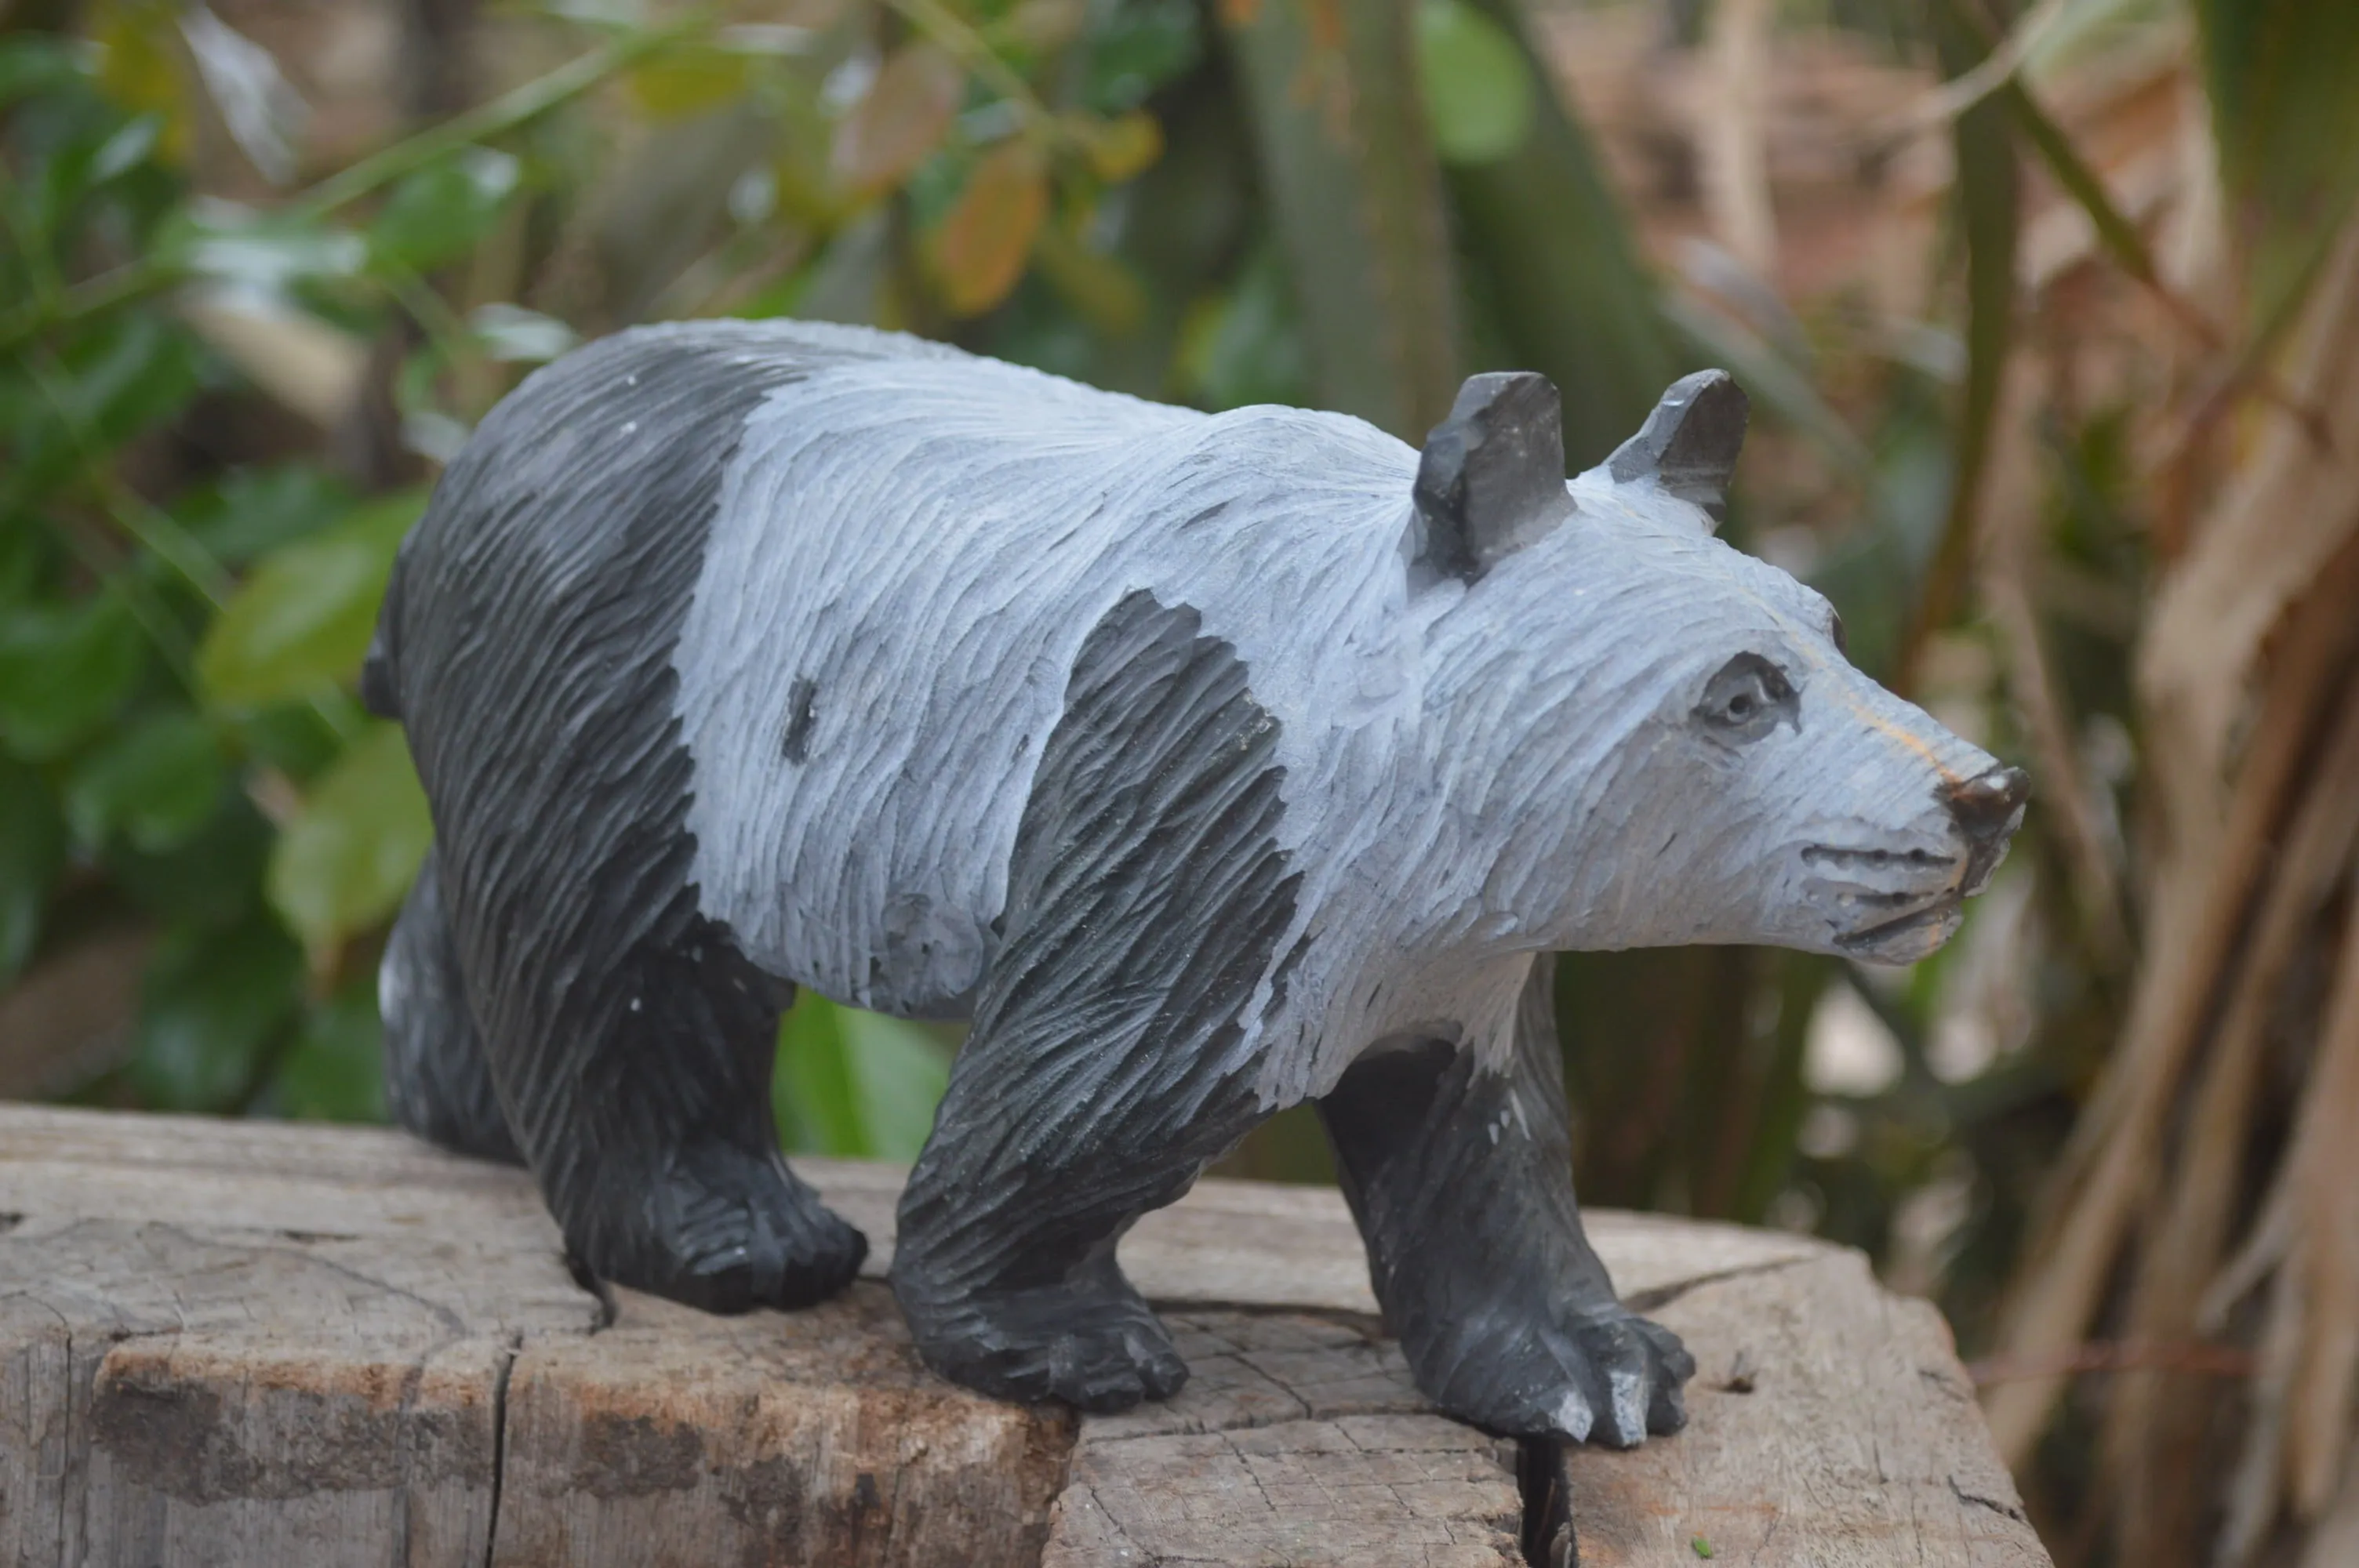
{"points": [[1985, 804]]}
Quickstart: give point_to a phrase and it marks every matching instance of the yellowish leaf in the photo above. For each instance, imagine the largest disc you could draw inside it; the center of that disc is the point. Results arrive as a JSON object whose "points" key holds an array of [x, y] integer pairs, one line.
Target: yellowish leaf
{"points": [[687, 81], [980, 250], [139, 67], [1124, 147], [902, 117]]}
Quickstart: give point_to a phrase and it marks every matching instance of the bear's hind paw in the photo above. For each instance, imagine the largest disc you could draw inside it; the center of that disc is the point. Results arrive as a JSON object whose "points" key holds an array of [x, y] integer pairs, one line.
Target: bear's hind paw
{"points": [[730, 1246]]}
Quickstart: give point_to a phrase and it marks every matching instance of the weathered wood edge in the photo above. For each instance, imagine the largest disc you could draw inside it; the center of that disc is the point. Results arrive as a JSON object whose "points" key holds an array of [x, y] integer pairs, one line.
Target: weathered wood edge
{"points": [[1296, 1407]]}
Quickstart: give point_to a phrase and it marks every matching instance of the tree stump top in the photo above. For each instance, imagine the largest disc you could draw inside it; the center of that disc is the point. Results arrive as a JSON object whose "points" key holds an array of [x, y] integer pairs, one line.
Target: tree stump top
{"points": [[249, 1342]]}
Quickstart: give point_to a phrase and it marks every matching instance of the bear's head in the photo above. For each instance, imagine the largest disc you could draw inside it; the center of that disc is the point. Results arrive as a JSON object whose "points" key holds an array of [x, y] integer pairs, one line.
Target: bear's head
{"points": [[1668, 728]]}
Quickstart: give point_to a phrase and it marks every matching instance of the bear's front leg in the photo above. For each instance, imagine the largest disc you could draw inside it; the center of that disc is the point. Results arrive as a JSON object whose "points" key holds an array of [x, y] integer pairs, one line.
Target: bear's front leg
{"points": [[1108, 1062], [1462, 1180]]}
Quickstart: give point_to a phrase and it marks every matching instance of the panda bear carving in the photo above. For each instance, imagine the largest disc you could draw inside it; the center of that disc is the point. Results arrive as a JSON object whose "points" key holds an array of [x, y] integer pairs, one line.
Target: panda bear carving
{"points": [[1208, 763]]}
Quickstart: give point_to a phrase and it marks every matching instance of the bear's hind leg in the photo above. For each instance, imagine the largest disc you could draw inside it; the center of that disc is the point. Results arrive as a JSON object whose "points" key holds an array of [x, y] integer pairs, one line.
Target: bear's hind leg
{"points": [[634, 1051], [1461, 1181], [437, 1083]]}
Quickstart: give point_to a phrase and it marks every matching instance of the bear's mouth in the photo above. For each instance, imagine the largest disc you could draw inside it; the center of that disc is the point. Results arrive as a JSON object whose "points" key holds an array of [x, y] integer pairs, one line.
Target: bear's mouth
{"points": [[1909, 898], [1909, 936]]}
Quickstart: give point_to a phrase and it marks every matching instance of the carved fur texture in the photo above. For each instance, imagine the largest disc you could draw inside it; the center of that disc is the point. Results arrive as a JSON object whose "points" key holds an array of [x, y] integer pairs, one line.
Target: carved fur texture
{"points": [[1210, 763]]}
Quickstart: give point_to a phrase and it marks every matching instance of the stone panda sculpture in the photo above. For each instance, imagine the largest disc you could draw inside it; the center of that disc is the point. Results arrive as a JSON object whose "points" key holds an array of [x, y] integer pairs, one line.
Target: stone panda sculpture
{"points": [[1210, 763]]}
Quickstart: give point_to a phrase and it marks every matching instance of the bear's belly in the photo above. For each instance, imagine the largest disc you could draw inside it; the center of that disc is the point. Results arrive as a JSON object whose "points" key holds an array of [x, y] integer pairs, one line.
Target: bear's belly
{"points": [[855, 836]]}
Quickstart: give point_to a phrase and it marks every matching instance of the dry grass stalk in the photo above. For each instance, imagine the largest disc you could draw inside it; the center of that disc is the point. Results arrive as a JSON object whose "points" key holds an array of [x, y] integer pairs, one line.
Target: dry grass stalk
{"points": [[2336, 1543], [2005, 531], [2203, 885], [2155, 1423], [2256, 833], [2283, 513], [1731, 135], [2304, 1418]]}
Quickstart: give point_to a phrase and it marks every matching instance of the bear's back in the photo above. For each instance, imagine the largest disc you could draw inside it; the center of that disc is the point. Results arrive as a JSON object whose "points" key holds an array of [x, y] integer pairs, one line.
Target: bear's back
{"points": [[906, 557]]}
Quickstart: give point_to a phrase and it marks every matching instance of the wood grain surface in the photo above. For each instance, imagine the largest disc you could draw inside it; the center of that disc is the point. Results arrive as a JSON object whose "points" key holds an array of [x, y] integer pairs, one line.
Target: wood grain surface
{"points": [[243, 1342]]}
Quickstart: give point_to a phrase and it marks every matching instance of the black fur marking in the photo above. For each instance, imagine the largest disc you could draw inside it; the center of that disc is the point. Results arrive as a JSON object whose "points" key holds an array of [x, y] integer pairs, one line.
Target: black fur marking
{"points": [[1147, 898], [1690, 442], [437, 1083], [526, 642], [1461, 1180], [1492, 476], [801, 716]]}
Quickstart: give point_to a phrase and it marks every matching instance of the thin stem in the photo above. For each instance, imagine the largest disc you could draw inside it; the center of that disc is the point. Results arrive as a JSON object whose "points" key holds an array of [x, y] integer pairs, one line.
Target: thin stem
{"points": [[155, 531], [38, 263], [972, 50], [512, 111]]}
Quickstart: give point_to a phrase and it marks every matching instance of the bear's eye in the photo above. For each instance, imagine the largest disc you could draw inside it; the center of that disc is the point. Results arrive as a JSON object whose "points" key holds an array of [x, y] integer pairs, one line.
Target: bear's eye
{"points": [[1745, 699]]}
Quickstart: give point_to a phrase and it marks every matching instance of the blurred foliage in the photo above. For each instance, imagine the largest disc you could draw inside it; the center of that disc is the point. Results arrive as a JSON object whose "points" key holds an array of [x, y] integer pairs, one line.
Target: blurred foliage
{"points": [[1351, 207], [1221, 205]]}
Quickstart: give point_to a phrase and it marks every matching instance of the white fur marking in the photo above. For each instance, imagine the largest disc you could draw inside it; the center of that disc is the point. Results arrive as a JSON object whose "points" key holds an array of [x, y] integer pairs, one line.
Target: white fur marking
{"points": [[1573, 1416], [1629, 1403]]}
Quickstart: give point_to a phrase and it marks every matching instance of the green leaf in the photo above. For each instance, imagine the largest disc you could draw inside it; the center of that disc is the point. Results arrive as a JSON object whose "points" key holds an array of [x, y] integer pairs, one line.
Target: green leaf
{"points": [[126, 150], [32, 854], [1989, 202], [64, 671], [156, 784], [1478, 87], [213, 880], [303, 619], [898, 1074], [210, 1005], [301, 740], [335, 1069], [122, 377], [1247, 347], [2279, 75], [444, 210], [26, 553], [1142, 45], [343, 863], [253, 511], [34, 65], [855, 1083], [810, 1085]]}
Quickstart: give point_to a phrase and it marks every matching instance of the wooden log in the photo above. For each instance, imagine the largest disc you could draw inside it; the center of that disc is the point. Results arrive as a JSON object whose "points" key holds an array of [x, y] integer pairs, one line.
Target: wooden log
{"points": [[243, 1342]]}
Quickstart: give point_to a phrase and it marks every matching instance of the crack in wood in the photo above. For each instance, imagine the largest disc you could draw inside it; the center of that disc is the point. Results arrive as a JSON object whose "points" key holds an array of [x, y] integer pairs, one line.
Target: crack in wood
{"points": [[1662, 1296], [2006, 1510], [499, 1445]]}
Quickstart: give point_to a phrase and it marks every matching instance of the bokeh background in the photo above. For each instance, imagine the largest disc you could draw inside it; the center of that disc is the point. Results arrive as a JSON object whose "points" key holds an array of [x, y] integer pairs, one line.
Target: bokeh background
{"points": [[2050, 317]]}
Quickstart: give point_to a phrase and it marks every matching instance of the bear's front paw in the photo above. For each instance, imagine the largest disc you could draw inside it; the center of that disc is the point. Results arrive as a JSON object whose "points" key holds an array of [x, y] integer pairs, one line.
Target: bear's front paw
{"points": [[1611, 1378], [1099, 1349]]}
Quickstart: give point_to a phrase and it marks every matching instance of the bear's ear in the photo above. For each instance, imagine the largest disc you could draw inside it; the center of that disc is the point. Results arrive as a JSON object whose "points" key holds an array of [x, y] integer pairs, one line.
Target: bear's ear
{"points": [[1492, 478], [1690, 443]]}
